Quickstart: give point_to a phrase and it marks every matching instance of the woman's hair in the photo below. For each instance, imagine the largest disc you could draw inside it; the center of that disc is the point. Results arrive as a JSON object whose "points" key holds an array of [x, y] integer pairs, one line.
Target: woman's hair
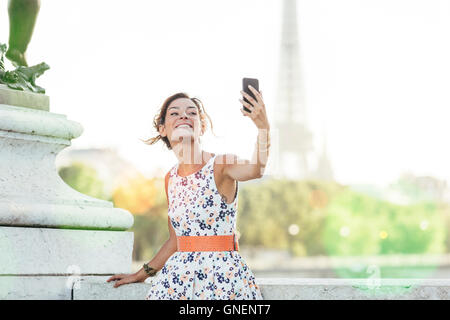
{"points": [[160, 118]]}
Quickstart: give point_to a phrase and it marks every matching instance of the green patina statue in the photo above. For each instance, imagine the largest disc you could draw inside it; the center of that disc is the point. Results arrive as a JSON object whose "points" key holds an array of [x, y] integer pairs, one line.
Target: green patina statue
{"points": [[22, 18], [22, 78]]}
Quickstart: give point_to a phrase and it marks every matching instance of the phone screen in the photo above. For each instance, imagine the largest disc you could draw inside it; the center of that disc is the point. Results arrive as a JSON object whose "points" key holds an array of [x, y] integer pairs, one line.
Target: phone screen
{"points": [[245, 83]]}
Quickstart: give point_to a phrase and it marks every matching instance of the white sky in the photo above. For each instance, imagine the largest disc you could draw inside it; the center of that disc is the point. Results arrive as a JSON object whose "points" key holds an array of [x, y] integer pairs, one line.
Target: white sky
{"points": [[377, 75]]}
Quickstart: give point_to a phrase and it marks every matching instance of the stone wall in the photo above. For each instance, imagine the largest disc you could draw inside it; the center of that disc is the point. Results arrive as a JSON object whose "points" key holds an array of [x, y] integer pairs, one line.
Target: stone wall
{"points": [[292, 289]]}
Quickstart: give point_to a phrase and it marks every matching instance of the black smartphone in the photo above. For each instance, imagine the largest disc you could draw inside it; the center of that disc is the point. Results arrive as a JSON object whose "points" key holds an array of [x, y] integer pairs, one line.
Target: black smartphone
{"points": [[245, 83]]}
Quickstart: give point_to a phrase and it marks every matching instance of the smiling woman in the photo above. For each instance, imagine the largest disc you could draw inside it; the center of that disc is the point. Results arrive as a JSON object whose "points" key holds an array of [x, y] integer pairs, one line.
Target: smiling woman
{"points": [[160, 118], [200, 260]]}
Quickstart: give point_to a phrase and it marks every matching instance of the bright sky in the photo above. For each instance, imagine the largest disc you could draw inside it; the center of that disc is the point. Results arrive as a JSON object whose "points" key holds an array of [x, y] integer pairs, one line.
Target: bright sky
{"points": [[377, 75]]}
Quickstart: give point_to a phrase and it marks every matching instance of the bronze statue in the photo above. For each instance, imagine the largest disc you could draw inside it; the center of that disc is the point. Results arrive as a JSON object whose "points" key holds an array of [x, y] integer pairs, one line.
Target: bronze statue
{"points": [[22, 19]]}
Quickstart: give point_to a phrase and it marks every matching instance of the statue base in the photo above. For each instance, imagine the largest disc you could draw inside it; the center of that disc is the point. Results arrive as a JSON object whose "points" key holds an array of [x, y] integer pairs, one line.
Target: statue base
{"points": [[26, 99], [49, 232], [45, 263]]}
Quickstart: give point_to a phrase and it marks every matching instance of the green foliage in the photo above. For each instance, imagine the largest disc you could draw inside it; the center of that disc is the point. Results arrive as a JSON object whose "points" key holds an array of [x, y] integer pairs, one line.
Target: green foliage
{"points": [[150, 233], [347, 223], [84, 179], [151, 228], [357, 224], [266, 210], [445, 209]]}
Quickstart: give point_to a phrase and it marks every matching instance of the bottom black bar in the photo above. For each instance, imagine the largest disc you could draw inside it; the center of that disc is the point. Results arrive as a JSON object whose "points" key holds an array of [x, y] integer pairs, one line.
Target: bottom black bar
{"points": [[194, 309]]}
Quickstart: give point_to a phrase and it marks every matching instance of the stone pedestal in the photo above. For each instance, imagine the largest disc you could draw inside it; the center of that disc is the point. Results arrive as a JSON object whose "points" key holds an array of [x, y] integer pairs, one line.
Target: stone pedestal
{"points": [[50, 234]]}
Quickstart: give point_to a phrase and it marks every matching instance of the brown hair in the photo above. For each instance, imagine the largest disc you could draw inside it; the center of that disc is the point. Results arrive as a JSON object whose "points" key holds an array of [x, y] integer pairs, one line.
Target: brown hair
{"points": [[160, 118]]}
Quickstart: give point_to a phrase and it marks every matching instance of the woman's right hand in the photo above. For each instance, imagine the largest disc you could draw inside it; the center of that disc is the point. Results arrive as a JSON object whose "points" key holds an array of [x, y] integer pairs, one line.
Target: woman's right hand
{"points": [[124, 279]]}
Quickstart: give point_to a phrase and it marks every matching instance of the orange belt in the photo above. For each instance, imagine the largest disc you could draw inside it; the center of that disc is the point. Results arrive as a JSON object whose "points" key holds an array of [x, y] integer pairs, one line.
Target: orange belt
{"points": [[207, 243]]}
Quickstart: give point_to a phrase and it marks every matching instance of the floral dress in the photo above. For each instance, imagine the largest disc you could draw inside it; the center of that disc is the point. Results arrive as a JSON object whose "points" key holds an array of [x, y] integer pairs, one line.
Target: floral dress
{"points": [[197, 209]]}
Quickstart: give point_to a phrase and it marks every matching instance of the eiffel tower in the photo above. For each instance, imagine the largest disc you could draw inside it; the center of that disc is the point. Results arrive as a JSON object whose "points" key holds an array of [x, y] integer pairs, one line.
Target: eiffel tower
{"points": [[294, 136]]}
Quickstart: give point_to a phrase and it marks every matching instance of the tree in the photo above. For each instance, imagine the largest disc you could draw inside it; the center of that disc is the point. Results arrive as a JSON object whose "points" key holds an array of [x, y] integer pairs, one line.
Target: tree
{"points": [[84, 179], [137, 194], [268, 210]]}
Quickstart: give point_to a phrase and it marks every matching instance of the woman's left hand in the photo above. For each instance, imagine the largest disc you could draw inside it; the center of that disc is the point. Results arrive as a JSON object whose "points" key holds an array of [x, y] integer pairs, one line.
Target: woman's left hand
{"points": [[258, 109]]}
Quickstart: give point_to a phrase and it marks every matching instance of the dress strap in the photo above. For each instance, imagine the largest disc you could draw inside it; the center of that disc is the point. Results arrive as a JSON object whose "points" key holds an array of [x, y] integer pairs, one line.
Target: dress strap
{"points": [[212, 159], [173, 170]]}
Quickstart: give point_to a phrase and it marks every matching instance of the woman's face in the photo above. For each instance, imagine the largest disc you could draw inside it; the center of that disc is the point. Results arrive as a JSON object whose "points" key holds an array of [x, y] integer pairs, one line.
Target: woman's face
{"points": [[182, 121]]}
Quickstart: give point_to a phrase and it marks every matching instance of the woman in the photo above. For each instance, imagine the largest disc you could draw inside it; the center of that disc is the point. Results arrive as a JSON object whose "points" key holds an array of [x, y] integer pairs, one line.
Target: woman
{"points": [[200, 260]]}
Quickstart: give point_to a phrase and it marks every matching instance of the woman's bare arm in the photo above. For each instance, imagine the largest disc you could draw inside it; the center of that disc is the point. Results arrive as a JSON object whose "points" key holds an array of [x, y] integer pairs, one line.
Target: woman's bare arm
{"points": [[243, 170], [168, 248]]}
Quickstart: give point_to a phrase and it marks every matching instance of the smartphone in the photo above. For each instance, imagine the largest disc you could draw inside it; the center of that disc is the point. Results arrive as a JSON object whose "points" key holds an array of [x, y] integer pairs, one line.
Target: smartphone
{"points": [[245, 83]]}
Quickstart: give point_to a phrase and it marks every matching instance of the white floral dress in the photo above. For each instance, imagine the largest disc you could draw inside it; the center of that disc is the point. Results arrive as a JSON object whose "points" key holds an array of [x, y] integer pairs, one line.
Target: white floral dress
{"points": [[197, 209]]}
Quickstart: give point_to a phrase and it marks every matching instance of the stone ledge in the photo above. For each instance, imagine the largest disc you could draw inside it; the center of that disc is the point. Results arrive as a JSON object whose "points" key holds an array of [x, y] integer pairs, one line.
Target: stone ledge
{"points": [[94, 288], [294, 289], [35, 288], [43, 251], [34, 122]]}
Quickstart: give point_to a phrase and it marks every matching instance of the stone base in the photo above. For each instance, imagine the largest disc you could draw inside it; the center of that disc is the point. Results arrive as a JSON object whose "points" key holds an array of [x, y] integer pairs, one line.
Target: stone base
{"points": [[25, 99], [50, 234], [43, 251], [42, 288], [35, 288], [32, 194]]}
